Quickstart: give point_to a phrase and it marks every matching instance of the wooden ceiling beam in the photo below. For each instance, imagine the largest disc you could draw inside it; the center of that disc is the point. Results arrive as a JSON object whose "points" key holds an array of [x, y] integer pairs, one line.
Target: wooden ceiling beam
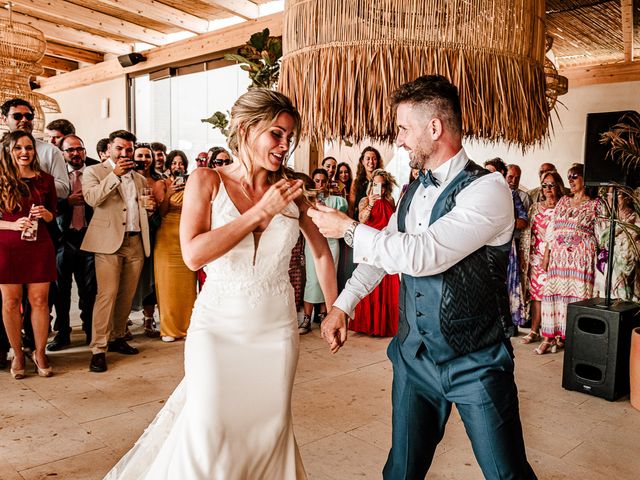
{"points": [[241, 8], [59, 64], [626, 7], [76, 16], [73, 53], [600, 74], [190, 49], [162, 13], [71, 36]]}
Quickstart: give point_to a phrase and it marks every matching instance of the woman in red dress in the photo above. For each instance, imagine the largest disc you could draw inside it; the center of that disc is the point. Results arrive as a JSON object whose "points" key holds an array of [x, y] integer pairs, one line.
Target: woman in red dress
{"points": [[27, 195], [377, 313]]}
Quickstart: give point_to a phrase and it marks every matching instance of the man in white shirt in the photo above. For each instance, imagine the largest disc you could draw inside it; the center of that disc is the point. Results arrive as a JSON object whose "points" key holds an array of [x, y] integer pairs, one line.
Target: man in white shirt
{"points": [[118, 234], [450, 239]]}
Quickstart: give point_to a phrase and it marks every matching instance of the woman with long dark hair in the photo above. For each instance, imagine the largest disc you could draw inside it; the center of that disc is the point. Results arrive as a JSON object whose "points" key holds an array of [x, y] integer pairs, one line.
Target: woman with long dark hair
{"points": [[369, 161], [27, 256]]}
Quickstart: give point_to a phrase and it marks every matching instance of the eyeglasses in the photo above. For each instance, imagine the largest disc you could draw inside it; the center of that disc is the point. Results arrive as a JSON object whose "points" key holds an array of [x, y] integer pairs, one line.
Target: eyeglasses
{"points": [[573, 176], [220, 162], [75, 149], [548, 185], [19, 116]]}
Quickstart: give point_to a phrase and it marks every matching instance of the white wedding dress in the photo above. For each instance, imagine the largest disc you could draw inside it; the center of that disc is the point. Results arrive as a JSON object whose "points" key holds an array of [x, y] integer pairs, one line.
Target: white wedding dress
{"points": [[230, 417]]}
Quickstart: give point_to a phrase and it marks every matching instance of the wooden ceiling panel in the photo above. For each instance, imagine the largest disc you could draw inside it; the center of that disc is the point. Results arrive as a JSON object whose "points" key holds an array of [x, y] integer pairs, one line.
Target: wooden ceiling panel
{"points": [[198, 8], [586, 32], [113, 10]]}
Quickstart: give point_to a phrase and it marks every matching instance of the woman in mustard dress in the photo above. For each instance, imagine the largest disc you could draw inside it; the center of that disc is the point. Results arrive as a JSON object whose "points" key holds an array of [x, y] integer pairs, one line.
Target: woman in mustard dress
{"points": [[175, 283]]}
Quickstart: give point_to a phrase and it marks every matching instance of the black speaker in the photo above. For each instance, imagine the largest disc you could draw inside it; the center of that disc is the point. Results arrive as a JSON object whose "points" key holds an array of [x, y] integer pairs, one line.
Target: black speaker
{"points": [[598, 169], [597, 348], [131, 59]]}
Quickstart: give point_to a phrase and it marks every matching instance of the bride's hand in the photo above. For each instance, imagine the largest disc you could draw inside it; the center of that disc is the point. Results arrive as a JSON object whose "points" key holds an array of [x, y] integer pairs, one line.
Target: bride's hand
{"points": [[278, 196]]}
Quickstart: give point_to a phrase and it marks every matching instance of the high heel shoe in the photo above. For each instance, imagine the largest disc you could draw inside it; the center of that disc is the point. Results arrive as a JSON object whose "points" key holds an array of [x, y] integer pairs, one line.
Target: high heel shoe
{"points": [[43, 372], [545, 346], [17, 374]]}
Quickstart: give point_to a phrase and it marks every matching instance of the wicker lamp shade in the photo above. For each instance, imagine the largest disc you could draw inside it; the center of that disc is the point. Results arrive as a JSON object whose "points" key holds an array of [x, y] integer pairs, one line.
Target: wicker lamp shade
{"points": [[343, 59], [21, 48]]}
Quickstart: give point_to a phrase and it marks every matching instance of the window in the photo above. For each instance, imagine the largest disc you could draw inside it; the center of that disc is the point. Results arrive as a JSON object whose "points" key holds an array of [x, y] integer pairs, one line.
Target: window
{"points": [[169, 110]]}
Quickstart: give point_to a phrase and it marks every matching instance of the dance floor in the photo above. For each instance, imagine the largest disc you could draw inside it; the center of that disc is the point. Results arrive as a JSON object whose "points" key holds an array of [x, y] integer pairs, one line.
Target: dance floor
{"points": [[77, 424]]}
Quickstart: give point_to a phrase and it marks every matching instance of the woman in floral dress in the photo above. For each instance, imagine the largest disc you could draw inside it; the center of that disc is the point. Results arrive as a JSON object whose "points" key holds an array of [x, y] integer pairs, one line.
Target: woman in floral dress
{"points": [[571, 252], [533, 245]]}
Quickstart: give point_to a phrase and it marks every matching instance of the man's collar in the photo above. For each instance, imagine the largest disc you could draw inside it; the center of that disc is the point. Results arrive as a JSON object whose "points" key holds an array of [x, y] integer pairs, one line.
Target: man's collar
{"points": [[451, 167]]}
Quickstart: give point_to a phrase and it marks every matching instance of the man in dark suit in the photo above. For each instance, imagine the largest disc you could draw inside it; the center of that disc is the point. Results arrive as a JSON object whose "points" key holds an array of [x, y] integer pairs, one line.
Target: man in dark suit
{"points": [[74, 215]]}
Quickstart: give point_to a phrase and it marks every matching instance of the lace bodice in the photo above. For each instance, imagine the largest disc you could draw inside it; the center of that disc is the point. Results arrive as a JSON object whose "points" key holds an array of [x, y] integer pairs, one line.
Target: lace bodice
{"points": [[260, 262]]}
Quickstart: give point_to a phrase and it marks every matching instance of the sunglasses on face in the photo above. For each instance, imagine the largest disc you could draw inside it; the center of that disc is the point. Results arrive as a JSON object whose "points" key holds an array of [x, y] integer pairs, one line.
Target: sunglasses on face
{"points": [[19, 116], [548, 185], [220, 162], [573, 176]]}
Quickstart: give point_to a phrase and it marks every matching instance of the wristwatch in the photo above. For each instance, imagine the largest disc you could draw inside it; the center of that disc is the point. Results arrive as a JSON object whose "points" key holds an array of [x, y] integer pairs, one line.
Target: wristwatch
{"points": [[348, 234]]}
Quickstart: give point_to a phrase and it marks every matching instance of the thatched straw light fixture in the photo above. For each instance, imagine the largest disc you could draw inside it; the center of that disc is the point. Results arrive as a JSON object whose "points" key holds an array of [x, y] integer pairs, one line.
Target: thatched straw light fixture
{"points": [[342, 59], [21, 48]]}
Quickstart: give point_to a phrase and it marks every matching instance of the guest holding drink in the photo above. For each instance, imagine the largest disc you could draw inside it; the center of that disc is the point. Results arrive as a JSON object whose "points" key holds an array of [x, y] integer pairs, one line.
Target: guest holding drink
{"points": [[145, 298], [27, 256], [175, 283], [369, 161]]}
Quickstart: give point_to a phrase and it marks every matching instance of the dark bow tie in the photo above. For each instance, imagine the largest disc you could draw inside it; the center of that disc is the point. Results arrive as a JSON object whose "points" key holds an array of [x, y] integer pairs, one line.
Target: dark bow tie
{"points": [[427, 179]]}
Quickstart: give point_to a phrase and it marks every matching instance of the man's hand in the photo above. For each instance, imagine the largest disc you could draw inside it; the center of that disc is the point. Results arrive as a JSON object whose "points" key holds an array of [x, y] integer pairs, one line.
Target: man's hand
{"points": [[334, 329], [123, 165], [331, 223], [76, 199]]}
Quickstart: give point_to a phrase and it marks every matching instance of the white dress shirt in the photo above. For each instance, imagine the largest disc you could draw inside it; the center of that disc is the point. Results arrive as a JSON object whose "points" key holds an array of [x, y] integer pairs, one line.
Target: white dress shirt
{"points": [[128, 185], [52, 162], [482, 215]]}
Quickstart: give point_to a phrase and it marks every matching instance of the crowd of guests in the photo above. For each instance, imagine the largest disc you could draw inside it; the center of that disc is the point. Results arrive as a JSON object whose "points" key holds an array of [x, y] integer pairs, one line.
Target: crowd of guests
{"points": [[560, 250], [61, 222]]}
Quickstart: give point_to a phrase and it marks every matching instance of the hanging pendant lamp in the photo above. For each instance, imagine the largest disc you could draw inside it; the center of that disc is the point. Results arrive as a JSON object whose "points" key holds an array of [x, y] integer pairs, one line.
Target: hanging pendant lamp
{"points": [[342, 60], [21, 48]]}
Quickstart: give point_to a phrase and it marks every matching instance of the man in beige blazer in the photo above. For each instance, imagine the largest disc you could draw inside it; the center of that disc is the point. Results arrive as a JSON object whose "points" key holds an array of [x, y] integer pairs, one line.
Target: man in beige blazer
{"points": [[118, 234]]}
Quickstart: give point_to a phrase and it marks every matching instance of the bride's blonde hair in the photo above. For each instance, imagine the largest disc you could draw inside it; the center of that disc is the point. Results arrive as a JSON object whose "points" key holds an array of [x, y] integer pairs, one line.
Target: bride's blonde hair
{"points": [[251, 115]]}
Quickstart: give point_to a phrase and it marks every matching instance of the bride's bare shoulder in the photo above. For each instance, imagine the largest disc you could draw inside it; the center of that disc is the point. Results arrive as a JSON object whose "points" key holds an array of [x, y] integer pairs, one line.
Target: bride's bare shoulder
{"points": [[204, 182]]}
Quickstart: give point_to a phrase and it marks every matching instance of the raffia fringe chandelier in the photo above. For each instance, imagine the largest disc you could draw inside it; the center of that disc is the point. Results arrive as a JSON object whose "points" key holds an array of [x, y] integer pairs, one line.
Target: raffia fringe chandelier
{"points": [[344, 58], [21, 48]]}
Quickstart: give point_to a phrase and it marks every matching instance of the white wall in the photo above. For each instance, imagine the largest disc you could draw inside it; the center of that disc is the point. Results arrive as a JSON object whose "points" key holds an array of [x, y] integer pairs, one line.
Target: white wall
{"points": [[82, 107], [565, 146]]}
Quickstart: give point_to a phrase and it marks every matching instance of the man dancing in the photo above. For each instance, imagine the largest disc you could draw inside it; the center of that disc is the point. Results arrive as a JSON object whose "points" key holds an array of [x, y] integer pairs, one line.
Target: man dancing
{"points": [[450, 239]]}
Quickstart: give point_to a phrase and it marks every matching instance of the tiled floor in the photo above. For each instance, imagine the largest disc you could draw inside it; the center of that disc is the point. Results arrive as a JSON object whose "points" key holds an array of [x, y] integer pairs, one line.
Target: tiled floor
{"points": [[77, 424]]}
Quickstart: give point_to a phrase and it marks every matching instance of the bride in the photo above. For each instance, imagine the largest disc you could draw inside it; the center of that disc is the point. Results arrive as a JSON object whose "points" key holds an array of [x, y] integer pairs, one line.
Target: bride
{"points": [[230, 417]]}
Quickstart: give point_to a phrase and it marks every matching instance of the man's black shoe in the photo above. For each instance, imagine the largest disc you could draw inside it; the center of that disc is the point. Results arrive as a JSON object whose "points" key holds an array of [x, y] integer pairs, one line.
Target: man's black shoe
{"points": [[58, 343], [98, 363], [123, 347]]}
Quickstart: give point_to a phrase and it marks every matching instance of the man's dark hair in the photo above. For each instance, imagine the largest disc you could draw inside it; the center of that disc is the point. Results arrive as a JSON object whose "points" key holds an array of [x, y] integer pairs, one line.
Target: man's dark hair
{"points": [[66, 137], [498, 164], [101, 146], [436, 93], [15, 102], [155, 146], [124, 134], [62, 125]]}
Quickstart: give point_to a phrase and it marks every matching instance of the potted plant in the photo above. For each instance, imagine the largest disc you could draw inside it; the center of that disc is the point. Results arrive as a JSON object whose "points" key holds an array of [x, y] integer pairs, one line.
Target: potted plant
{"points": [[260, 56]]}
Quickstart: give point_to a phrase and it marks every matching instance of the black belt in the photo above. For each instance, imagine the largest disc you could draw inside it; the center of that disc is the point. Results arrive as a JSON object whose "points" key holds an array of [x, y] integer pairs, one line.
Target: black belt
{"points": [[131, 234]]}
